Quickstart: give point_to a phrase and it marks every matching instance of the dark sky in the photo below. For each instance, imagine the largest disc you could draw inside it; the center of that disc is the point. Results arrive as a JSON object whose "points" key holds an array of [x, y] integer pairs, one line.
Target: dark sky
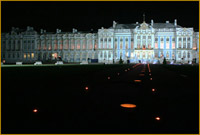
{"points": [[93, 15]]}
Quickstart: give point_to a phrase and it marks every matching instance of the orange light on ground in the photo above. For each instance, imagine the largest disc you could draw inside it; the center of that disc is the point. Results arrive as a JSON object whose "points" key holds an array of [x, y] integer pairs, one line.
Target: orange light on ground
{"points": [[157, 118], [141, 74], [150, 78], [137, 81], [108, 78], [153, 90], [86, 88], [128, 105], [35, 110]]}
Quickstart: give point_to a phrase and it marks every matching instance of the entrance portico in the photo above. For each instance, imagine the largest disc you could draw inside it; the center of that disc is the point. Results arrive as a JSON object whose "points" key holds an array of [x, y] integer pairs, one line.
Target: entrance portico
{"points": [[144, 55]]}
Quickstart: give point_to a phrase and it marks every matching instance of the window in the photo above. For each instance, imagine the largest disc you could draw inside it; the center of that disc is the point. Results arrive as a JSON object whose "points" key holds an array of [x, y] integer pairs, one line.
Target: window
{"points": [[115, 39], [121, 46], [126, 39], [13, 55], [116, 46], [24, 56], [101, 39], [131, 39], [32, 55], [138, 37], [144, 37], [149, 37], [173, 45], [188, 45], [156, 39], [173, 39], [179, 39], [161, 45], [161, 39], [167, 39], [188, 39], [132, 55], [156, 45], [167, 45], [188, 55], [28, 55], [179, 55]]}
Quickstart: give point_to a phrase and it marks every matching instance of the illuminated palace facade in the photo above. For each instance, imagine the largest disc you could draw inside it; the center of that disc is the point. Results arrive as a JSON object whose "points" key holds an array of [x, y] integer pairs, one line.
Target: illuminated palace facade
{"points": [[149, 42]]}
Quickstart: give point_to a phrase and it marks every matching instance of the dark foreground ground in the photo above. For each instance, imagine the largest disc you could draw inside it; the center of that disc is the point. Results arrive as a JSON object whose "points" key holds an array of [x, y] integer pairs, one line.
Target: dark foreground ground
{"points": [[64, 106]]}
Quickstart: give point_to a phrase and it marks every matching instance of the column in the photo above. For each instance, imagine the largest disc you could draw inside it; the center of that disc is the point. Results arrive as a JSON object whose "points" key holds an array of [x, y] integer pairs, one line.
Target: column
{"points": [[152, 41], [146, 46], [135, 41], [186, 43], [191, 41], [103, 43], [176, 45], [181, 42], [99, 41]]}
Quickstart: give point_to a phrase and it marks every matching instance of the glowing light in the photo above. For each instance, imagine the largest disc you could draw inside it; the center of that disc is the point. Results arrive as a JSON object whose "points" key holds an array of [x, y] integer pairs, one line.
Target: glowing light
{"points": [[125, 70], [4, 61], [86, 88], [137, 80], [157, 118], [117, 73], [141, 74], [128, 105], [150, 78], [128, 68], [35, 110], [150, 74], [108, 78], [153, 90]]}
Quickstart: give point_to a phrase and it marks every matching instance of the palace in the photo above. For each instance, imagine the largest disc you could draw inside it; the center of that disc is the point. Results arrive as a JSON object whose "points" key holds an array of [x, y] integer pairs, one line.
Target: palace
{"points": [[145, 42]]}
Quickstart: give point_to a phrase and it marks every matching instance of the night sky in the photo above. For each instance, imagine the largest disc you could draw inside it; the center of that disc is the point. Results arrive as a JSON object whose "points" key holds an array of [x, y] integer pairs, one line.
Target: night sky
{"points": [[85, 16]]}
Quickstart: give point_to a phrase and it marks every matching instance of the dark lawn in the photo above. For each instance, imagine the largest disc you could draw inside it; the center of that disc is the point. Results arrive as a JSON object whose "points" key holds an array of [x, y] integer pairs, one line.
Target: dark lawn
{"points": [[64, 106]]}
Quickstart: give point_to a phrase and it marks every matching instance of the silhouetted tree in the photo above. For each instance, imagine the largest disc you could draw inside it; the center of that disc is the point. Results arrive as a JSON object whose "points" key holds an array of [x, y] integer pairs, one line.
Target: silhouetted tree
{"points": [[164, 61], [120, 60]]}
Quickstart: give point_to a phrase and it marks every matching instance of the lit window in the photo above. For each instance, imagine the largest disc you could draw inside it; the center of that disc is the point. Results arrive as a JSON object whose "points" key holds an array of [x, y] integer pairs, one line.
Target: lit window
{"points": [[156, 45], [28, 55], [161, 45], [78, 46], [173, 45], [32, 55], [24, 56], [167, 45], [132, 54]]}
